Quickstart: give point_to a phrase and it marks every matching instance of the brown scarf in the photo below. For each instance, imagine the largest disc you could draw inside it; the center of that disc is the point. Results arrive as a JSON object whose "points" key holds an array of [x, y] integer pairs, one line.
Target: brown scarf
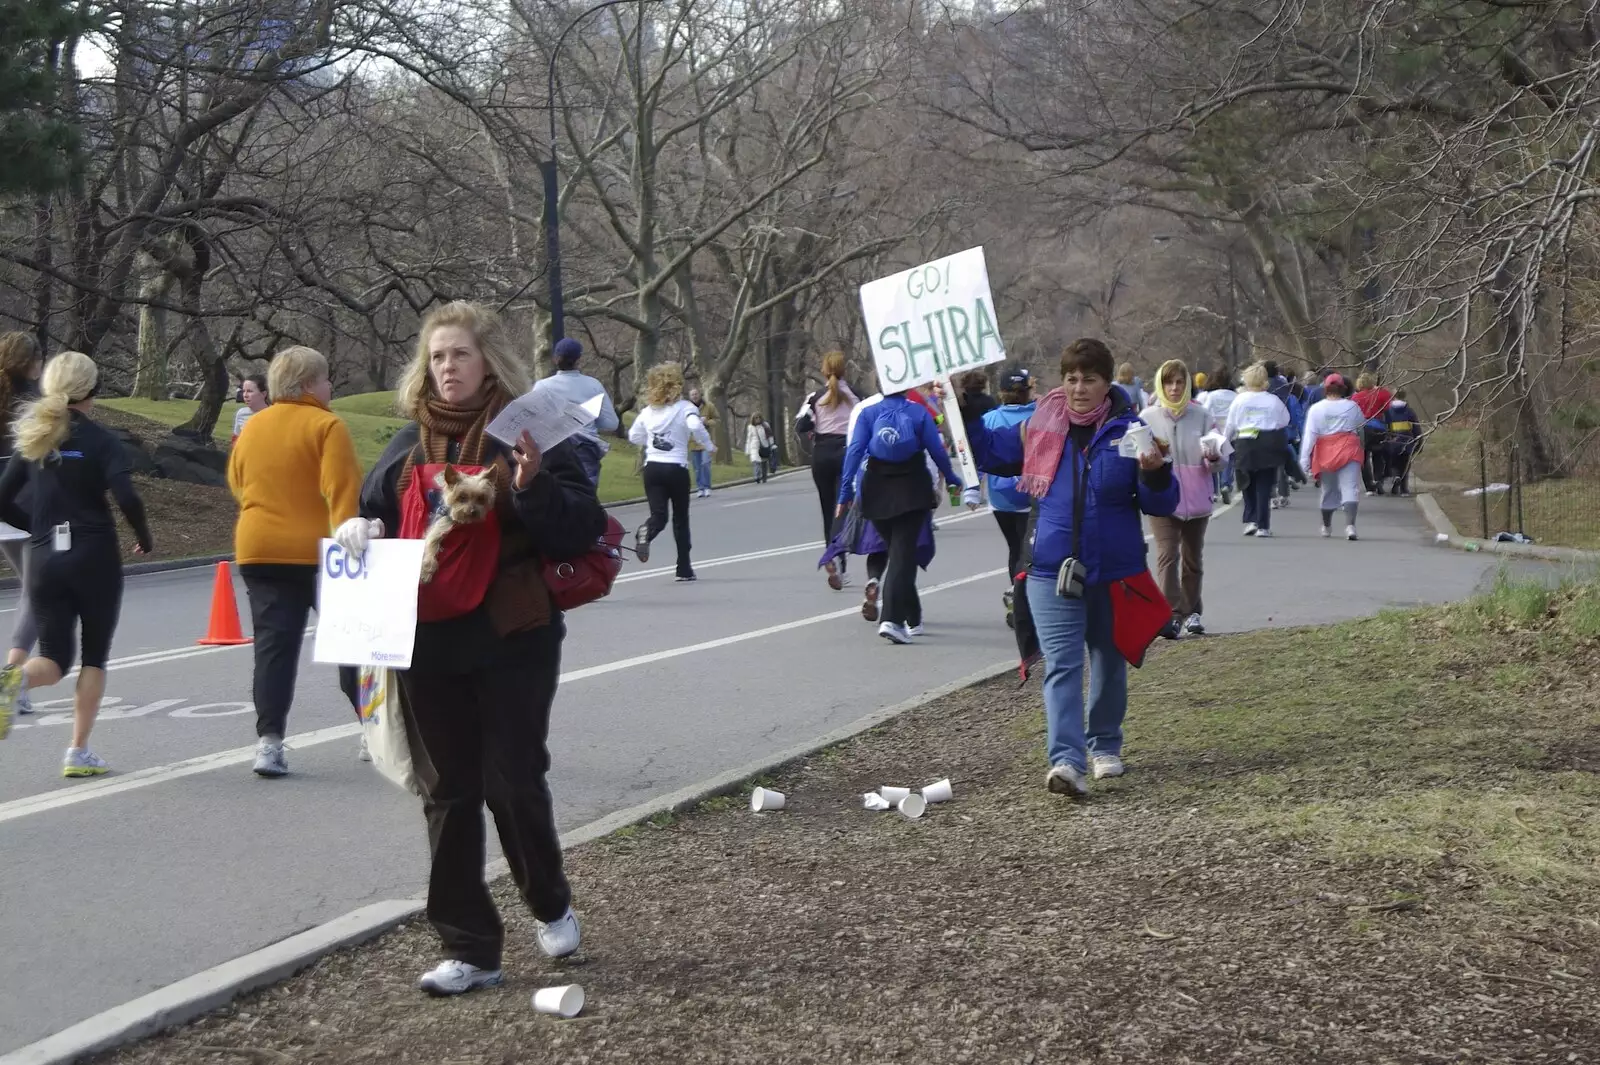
{"points": [[440, 423]]}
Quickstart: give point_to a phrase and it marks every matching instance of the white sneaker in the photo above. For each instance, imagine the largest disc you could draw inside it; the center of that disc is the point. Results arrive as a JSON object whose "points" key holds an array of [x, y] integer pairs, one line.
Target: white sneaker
{"points": [[1262, 534], [914, 630], [1194, 626], [82, 762], [1063, 779], [1326, 532], [1350, 532], [270, 761], [362, 754], [894, 633], [560, 937], [457, 978], [1249, 528], [1106, 765], [641, 542]]}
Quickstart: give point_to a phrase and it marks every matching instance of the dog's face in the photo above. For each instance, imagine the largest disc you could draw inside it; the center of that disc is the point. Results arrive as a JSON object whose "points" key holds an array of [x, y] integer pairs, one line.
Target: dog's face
{"points": [[467, 497]]}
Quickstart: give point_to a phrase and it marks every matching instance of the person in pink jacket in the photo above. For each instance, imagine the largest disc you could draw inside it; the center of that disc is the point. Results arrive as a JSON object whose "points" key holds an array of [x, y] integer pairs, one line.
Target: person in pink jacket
{"points": [[1183, 427]]}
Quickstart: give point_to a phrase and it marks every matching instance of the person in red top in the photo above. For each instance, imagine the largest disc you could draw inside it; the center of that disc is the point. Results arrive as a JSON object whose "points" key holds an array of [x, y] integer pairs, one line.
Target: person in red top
{"points": [[1373, 399]]}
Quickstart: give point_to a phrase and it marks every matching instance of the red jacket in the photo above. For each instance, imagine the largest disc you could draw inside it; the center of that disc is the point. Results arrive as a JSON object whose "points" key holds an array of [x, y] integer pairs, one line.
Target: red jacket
{"points": [[1373, 402]]}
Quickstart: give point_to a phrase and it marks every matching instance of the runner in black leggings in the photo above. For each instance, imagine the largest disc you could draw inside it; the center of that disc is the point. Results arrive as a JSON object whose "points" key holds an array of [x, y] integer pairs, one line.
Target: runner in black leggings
{"points": [[69, 465], [825, 414]]}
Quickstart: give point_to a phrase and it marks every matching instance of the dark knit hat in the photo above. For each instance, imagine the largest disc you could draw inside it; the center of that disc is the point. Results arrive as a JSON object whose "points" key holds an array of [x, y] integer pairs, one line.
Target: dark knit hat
{"points": [[568, 351]]}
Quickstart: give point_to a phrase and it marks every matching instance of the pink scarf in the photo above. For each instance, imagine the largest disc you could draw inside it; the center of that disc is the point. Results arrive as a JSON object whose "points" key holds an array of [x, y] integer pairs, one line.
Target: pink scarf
{"points": [[1047, 439]]}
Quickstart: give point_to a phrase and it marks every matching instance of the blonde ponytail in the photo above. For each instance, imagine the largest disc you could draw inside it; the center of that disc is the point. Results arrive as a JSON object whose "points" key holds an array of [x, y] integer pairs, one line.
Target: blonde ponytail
{"points": [[833, 367], [44, 424]]}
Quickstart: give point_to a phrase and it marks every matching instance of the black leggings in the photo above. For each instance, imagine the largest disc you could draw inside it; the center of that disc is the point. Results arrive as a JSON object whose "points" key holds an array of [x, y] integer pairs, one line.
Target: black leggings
{"points": [[80, 588], [901, 604], [827, 465], [1014, 527], [664, 483]]}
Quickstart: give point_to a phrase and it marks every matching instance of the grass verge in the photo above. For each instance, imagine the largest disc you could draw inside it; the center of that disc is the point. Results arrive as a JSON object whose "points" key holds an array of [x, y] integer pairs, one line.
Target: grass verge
{"points": [[1564, 512], [1375, 841]]}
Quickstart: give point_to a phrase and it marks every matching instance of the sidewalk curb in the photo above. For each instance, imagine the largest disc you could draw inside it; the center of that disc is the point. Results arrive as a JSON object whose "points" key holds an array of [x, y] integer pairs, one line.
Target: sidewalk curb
{"points": [[1435, 516], [189, 998]]}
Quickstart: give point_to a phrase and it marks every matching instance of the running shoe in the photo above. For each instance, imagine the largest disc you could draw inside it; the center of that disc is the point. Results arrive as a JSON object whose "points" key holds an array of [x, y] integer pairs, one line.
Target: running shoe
{"points": [[1249, 528], [82, 762], [1262, 534], [1350, 532], [835, 578], [914, 630], [1106, 765], [10, 690], [1194, 626], [560, 937], [869, 600], [1064, 779], [641, 542], [1170, 631], [894, 633], [24, 702], [686, 578], [457, 978], [270, 760], [1326, 532]]}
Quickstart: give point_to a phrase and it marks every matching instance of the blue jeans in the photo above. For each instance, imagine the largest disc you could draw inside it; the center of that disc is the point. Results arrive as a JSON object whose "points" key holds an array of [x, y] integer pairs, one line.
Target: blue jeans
{"points": [[1066, 627], [702, 470]]}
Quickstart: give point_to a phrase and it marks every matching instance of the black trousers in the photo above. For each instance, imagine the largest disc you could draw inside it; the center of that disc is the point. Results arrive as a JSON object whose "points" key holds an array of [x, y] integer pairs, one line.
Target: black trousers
{"points": [[1014, 527], [900, 601], [72, 590], [668, 483], [1258, 488], [827, 465], [281, 600], [477, 709]]}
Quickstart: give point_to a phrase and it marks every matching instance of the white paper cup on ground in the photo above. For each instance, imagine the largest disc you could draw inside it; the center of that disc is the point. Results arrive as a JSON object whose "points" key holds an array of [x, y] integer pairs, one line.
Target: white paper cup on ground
{"points": [[764, 799], [938, 792], [1442, 538], [565, 1001], [894, 795], [911, 807], [875, 802]]}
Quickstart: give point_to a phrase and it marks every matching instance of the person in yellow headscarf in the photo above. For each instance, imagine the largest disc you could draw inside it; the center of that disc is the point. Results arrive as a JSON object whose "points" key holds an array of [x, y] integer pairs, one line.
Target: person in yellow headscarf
{"points": [[1183, 425]]}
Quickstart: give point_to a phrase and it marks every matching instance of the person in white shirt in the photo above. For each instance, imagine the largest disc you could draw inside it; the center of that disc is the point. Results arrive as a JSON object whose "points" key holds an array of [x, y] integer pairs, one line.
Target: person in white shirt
{"points": [[253, 394], [1218, 400], [757, 444], [574, 387], [1257, 424], [1332, 451], [663, 430]]}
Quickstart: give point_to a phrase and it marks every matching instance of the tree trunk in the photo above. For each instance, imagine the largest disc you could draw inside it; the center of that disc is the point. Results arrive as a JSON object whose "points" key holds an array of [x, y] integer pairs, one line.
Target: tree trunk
{"points": [[208, 359], [1528, 427], [151, 378]]}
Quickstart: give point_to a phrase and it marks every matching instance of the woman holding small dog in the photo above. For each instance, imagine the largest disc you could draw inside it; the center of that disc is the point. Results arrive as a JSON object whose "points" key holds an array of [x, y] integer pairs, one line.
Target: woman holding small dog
{"points": [[487, 658], [296, 479]]}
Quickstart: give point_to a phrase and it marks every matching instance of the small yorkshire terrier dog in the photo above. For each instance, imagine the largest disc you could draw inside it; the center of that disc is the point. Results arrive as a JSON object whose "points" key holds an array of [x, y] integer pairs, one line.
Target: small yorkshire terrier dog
{"points": [[464, 499]]}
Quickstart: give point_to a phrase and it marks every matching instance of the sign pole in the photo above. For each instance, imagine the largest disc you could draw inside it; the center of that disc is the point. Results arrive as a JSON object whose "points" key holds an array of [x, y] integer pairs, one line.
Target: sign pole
{"points": [[958, 432]]}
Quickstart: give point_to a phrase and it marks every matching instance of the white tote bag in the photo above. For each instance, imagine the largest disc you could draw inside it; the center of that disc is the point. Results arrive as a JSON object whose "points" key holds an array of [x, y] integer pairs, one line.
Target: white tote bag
{"points": [[383, 728]]}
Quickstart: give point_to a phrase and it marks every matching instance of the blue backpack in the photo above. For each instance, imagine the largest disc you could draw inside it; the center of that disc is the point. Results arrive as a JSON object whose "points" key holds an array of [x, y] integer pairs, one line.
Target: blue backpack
{"points": [[896, 436]]}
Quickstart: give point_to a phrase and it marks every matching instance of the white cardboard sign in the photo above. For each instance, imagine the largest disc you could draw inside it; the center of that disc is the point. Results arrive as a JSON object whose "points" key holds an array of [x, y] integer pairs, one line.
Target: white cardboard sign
{"points": [[367, 606], [931, 321]]}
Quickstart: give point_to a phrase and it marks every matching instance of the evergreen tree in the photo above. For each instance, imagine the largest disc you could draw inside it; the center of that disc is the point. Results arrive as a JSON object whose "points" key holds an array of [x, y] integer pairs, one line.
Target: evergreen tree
{"points": [[38, 142]]}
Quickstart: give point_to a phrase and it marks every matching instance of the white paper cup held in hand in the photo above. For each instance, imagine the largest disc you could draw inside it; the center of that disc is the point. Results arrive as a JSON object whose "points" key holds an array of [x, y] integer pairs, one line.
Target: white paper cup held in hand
{"points": [[939, 791], [875, 802], [763, 799], [911, 807], [894, 795], [1136, 440], [565, 1001]]}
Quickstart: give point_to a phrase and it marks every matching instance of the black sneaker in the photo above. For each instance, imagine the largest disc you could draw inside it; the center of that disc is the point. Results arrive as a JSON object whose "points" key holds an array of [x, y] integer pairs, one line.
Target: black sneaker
{"points": [[685, 578], [1170, 631], [641, 542]]}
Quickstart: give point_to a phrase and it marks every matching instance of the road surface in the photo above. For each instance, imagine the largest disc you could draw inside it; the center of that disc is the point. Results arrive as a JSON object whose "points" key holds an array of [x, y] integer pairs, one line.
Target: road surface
{"points": [[182, 859]]}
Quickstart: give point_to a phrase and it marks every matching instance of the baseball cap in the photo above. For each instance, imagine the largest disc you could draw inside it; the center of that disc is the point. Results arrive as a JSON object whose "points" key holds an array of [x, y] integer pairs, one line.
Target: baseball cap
{"points": [[1334, 379], [1014, 378]]}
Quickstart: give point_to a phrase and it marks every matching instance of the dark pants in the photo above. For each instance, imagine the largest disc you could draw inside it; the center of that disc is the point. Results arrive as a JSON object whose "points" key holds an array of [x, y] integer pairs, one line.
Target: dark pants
{"points": [[1258, 489], [827, 465], [72, 590], [901, 604], [668, 483], [1400, 469], [477, 709], [1014, 527], [1376, 468], [281, 600]]}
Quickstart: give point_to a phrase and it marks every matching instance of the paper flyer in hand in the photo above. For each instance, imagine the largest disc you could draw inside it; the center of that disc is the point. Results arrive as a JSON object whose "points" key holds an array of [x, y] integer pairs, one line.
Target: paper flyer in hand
{"points": [[545, 417]]}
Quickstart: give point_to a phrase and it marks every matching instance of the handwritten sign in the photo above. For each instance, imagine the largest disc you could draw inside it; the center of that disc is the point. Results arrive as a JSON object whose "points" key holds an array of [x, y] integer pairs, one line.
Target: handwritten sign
{"points": [[367, 605], [931, 321], [547, 418]]}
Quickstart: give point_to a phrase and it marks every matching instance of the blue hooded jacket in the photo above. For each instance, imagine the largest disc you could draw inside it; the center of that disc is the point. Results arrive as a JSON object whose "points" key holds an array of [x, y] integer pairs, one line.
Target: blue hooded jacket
{"points": [[1112, 545]]}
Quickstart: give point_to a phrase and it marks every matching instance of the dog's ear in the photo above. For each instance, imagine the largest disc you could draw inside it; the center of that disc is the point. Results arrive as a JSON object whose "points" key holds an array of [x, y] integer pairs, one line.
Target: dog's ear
{"points": [[451, 475]]}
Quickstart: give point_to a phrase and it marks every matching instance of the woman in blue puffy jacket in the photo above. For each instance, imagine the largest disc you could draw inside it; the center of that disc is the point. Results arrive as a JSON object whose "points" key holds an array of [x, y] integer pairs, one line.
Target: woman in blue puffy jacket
{"points": [[1087, 499]]}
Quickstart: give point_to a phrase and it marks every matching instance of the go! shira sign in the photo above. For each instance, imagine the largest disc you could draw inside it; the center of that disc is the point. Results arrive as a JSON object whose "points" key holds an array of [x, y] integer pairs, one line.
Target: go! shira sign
{"points": [[932, 321]]}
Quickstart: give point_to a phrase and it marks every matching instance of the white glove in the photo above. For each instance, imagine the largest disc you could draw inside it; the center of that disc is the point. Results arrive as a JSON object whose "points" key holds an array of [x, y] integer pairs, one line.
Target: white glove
{"points": [[971, 498], [355, 534]]}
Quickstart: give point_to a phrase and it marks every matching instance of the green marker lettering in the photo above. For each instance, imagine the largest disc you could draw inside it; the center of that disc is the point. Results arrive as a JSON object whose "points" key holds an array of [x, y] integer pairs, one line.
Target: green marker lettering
{"points": [[986, 329], [960, 327]]}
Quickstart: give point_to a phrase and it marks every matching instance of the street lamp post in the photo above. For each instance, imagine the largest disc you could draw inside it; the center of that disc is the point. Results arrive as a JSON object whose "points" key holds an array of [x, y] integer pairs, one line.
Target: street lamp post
{"points": [[552, 190]]}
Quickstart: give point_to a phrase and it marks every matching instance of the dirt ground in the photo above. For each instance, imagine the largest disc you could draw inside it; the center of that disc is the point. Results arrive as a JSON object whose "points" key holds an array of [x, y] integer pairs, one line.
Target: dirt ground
{"points": [[1373, 843]]}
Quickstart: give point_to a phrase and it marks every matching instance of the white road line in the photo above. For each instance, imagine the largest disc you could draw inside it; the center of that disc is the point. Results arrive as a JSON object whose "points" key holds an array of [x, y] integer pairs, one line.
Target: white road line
{"points": [[143, 778], [747, 502]]}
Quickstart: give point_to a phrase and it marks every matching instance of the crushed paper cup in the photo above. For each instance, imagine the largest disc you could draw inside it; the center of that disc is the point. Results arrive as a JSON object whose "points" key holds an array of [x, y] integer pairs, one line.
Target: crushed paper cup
{"points": [[764, 799], [894, 795], [565, 1001], [911, 807], [939, 791], [1442, 538], [875, 802]]}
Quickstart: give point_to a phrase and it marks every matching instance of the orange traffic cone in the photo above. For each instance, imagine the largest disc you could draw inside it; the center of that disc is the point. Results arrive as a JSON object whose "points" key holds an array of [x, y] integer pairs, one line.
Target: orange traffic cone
{"points": [[223, 630]]}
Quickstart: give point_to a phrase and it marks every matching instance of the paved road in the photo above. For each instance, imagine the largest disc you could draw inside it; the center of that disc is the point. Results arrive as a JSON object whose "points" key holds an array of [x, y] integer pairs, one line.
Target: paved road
{"points": [[182, 859]]}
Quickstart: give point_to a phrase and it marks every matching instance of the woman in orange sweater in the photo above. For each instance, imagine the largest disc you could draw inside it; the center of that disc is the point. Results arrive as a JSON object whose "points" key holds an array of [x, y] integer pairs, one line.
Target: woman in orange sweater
{"points": [[296, 478]]}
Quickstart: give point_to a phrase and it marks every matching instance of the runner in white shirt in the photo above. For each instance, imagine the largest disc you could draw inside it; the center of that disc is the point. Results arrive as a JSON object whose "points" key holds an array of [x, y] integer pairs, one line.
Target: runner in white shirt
{"points": [[663, 430]]}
